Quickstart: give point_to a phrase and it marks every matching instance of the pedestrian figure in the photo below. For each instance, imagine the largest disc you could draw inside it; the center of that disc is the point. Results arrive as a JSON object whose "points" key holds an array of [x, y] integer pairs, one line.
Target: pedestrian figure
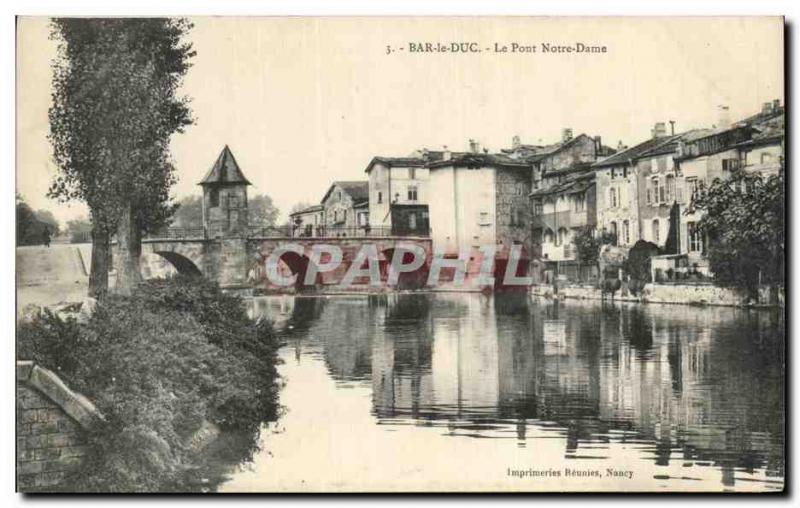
{"points": [[46, 236]]}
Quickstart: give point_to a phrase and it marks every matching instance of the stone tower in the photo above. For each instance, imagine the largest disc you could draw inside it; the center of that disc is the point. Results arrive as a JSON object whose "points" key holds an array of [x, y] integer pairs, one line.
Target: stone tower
{"points": [[225, 197]]}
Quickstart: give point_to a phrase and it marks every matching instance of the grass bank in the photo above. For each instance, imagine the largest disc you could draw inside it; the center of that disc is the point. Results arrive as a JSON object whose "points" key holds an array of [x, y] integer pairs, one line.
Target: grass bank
{"points": [[158, 364]]}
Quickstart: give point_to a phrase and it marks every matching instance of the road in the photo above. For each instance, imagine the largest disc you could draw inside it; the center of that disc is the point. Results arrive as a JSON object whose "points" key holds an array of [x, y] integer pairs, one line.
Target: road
{"points": [[46, 276]]}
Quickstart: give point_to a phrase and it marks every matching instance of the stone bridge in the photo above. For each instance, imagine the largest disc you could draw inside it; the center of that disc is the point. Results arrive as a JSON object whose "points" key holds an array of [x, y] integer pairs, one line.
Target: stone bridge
{"points": [[239, 263]]}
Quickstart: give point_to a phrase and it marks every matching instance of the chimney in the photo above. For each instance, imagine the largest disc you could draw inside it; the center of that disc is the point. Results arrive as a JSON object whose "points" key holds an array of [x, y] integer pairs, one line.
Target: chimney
{"points": [[598, 145], [621, 146], [766, 107], [446, 155], [474, 147], [515, 142], [672, 127], [659, 130], [776, 105], [566, 134], [724, 117]]}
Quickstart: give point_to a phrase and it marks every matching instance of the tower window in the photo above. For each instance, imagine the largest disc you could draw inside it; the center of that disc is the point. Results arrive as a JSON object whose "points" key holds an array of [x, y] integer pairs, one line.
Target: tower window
{"points": [[214, 197]]}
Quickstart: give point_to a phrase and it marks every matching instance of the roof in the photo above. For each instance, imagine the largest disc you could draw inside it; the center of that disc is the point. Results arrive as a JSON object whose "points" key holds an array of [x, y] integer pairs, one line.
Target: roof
{"points": [[310, 209], [414, 161], [407, 162], [225, 170], [357, 190], [670, 143], [624, 156], [575, 185], [474, 160], [572, 168]]}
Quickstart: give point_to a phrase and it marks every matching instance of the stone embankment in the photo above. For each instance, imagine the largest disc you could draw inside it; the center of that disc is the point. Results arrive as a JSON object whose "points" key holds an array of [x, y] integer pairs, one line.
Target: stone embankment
{"points": [[687, 294]]}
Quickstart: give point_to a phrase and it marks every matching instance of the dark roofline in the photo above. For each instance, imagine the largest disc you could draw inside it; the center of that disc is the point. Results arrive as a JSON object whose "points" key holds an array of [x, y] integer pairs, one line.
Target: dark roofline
{"points": [[469, 159], [339, 183], [405, 162], [312, 208]]}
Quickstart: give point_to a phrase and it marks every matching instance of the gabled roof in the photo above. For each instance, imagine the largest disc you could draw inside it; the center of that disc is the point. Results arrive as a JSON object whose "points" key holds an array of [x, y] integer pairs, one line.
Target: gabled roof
{"points": [[357, 190], [624, 156], [225, 170]]}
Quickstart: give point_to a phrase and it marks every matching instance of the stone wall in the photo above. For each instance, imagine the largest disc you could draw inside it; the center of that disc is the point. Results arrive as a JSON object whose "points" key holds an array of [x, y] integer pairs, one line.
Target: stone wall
{"points": [[513, 212], [52, 422], [688, 294]]}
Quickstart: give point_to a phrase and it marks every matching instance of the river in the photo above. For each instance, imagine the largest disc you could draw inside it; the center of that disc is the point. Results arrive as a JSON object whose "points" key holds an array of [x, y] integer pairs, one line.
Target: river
{"points": [[444, 392]]}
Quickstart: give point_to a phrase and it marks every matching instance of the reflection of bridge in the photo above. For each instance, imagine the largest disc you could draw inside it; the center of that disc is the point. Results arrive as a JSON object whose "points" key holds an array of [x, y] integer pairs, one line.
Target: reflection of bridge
{"points": [[239, 261]]}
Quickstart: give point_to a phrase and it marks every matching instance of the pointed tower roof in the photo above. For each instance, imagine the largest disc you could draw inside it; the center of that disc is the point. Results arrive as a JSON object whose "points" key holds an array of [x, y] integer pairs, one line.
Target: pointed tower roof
{"points": [[225, 170]]}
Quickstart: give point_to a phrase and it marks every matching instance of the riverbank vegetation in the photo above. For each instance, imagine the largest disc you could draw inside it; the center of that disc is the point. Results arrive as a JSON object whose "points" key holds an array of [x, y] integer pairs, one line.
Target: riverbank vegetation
{"points": [[158, 363], [744, 225]]}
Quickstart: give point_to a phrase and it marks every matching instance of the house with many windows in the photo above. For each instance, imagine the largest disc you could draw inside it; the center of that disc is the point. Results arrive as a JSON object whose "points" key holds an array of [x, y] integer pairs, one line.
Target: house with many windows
{"points": [[563, 198], [398, 190], [346, 209]]}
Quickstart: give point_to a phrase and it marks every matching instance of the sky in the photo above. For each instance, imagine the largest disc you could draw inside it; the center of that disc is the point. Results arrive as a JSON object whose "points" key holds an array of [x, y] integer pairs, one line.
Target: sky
{"points": [[303, 102]]}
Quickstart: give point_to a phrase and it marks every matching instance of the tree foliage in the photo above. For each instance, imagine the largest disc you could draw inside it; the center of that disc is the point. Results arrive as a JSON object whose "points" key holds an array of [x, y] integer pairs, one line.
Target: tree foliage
{"points": [[587, 244], [744, 223], [115, 106], [261, 212], [31, 225]]}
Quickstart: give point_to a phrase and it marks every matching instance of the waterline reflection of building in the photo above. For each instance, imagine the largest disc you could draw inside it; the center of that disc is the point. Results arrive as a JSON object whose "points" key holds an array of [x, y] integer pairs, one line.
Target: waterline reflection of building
{"points": [[683, 385]]}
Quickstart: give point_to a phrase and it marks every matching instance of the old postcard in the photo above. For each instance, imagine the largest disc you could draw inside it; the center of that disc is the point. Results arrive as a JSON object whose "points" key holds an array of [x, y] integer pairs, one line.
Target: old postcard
{"points": [[400, 254]]}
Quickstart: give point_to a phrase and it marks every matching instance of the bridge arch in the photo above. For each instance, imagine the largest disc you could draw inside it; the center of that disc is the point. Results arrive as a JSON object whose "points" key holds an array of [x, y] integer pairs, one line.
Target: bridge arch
{"points": [[181, 263], [407, 280], [298, 264]]}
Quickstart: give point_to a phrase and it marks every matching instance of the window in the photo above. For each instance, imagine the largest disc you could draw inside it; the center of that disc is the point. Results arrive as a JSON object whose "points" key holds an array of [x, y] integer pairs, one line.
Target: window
{"points": [[412, 193], [412, 173], [380, 197], [362, 218], [580, 202], [669, 190], [692, 185], [548, 235], [695, 237], [537, 207], [484, 219], [412, 220], [655, 232], [233, 201], [613, 230], [730, 164], [562, 236], [213, 197], [626, 238], [612, 197]]}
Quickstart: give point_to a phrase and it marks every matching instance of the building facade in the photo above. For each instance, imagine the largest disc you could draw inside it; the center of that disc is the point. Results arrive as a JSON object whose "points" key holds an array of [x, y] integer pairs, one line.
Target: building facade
{"points": [[398, 193], [307, 222], [481, 199], [346, 208], [563, 197]]}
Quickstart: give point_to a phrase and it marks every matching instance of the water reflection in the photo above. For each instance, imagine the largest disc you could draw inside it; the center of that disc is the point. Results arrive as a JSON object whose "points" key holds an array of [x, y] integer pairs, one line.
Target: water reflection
{"points": [[693, 387]]}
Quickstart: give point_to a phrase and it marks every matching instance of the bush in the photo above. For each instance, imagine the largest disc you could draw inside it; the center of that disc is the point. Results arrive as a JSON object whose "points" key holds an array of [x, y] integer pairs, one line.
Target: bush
{"points": [[157, 364]]}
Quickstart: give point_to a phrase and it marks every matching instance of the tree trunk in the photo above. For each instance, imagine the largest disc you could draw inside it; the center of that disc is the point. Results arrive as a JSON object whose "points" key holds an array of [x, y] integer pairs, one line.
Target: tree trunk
{"points": [[98, 272], [129, 241]]}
